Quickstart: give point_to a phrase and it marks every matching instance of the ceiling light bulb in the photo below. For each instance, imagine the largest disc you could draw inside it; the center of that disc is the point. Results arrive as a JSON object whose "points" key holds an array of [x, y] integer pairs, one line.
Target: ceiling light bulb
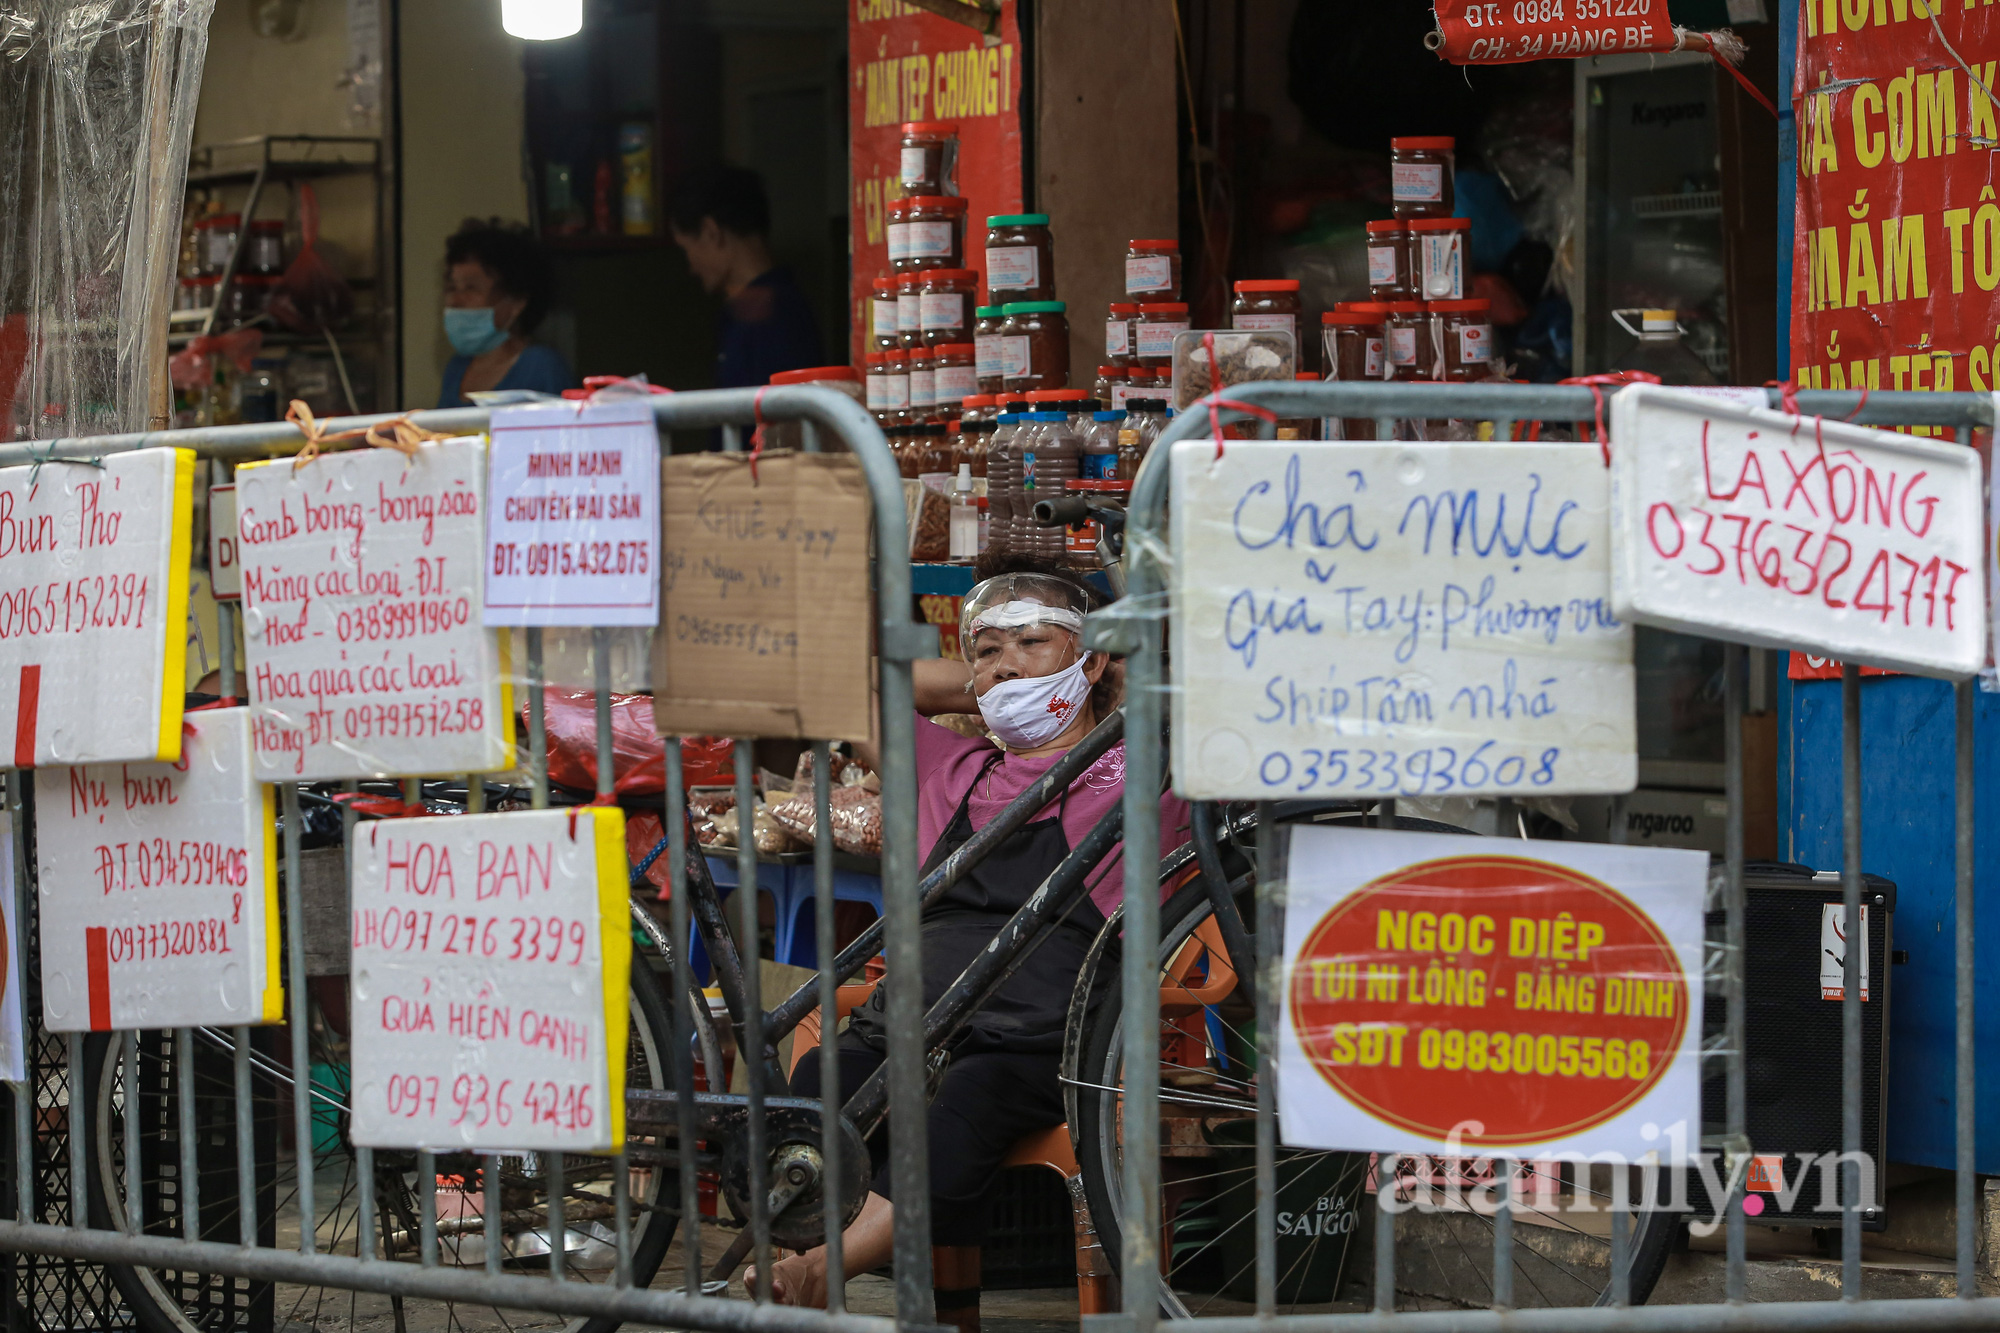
{"points": [[541, 20]]}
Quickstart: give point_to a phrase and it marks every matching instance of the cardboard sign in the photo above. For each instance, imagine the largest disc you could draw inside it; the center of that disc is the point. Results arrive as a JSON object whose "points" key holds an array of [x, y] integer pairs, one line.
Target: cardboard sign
{"points": [[159, 888], [224, 569], [1375, 620], [1451, 994], [492, 954], [765, 619], [1785, 532], [361, 596], [93, 607], [573, 527], [13, 961]]}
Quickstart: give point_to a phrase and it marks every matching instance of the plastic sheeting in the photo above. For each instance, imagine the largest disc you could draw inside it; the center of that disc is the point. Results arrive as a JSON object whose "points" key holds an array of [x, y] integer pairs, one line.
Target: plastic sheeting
{"points": [[97, 104]]}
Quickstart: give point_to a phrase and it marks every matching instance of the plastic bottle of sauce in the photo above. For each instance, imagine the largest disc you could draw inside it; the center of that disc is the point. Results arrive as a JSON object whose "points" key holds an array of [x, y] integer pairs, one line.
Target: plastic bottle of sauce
{"points": [[923, 383], [1420, 176], [1153, 270], [1406, 332], [1159, 321], [1118, 346], [1100, 445], [1035, 345], [1440, 255], [1109, 380], [1389, 261], [882, 331], [929, 159], [1049, 462], [935, 233], [1464, 330], [944, 304], [1020, 258], [987, 361], [951, 369], [896, 230], [1003, 480], [1274, 305]]}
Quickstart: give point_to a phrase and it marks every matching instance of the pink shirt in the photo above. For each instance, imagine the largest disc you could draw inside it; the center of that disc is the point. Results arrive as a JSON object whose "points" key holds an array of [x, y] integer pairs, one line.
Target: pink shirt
{"points": [[948, 764]]}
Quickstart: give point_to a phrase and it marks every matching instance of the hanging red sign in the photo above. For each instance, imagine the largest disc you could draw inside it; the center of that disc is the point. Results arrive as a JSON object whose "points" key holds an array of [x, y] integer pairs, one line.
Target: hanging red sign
{"points": [[911, 65], [1505, 32], [1896, 252]]}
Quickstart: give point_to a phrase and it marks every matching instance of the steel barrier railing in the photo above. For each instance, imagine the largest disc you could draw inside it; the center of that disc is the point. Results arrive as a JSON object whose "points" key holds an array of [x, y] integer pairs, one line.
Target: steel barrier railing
{"points": [[1135, 627], [899, 641]]}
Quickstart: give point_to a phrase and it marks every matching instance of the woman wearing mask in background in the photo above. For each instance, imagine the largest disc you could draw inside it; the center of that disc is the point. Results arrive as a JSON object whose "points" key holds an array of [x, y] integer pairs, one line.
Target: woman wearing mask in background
{"points": [[496, 290], [1040, 692]]}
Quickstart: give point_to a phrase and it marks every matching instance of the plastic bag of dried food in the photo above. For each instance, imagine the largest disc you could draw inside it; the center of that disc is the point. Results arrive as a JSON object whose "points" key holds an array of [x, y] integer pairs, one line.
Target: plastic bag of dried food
{"points": [[1240, 356], [854, 812], [930, 527]]}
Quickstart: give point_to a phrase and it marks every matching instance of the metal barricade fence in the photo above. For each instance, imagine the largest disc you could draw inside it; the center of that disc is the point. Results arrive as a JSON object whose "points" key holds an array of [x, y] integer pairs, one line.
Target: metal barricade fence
{"points": [[369, 1235], [1134, 627]]}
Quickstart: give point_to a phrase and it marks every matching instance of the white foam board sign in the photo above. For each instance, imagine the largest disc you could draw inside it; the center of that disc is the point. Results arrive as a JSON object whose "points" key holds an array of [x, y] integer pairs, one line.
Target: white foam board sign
{"points": [[361, 595], [1360, 619], [573, 530], [492, 956], [13, 1028], [158, 888], [224, 569], [94, 589], [1800, 533]]}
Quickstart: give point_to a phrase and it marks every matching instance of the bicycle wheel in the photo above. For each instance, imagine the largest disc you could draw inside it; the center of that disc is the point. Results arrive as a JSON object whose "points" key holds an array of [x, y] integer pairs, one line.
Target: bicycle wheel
{"points": [[1561, 1231], [164, 1301]]}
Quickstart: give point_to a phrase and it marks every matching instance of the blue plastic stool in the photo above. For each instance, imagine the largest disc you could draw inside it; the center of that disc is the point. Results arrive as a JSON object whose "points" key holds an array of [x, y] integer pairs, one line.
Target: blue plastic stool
{"points": [[797, 941], [771, 879]]}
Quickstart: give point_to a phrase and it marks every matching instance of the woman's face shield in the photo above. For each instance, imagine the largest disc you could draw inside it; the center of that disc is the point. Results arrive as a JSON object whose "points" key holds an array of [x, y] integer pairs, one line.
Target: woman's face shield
{"points": [[1021, 626]]}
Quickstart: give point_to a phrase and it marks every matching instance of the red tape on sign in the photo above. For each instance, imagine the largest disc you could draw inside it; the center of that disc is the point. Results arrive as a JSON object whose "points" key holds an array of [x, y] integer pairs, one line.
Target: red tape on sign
{"points": [[1504, 32], [97, 967], [24, 716]]}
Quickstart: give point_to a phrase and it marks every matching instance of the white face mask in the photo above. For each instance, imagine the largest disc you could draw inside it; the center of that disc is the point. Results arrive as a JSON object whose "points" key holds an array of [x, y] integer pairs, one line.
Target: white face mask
{"points": [[1034, 711]]}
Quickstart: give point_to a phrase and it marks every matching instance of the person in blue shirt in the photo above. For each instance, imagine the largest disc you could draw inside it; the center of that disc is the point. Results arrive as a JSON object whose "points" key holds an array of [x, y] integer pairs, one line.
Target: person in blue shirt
{"points": [[497, 287], [721, 220]]}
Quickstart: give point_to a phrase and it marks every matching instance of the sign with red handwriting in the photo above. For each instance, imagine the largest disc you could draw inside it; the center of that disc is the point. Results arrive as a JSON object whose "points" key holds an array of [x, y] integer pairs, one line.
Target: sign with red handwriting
{"points": [[93, 607], [491, 959], [1747, 524], [1503, 32], [573, 527], [158, 888], [223, 567], [361, 595]]}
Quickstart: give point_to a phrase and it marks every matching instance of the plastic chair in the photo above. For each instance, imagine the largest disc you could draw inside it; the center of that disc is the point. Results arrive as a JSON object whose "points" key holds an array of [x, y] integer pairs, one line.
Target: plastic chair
{"points": [[797, 943], [722, 869]]}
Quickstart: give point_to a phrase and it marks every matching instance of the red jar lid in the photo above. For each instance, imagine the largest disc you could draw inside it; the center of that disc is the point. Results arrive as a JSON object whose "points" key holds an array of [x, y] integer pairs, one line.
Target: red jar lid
{"points": [[1424, 143], [1306, 375], [1084, 484], [895, 354], [1164, 308], [950, 203], [1363, 307], [1064, 395], [1124, 307], [1110, 487], [1392, 307], [947, 275], [885, 286], [1109, 372], [1139, 373], [1007, 398], [895, 206], [220, 220], [1160, 246], [951, 427], [977, 400], [930, 127], [1268, 285], [1352, 319], [1386, 224], [1040, 395], [909, 280], [813, 374], [872, 360], [1471, 304], [1440, 224]]}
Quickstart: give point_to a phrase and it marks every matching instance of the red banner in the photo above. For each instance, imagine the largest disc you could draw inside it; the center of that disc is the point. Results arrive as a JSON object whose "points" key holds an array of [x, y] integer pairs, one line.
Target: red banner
{"points": [[1504, 32], [1897, 252], [911, 65]]}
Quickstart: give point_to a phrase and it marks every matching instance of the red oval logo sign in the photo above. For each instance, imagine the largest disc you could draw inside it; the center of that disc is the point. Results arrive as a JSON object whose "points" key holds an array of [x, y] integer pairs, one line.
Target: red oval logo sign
{"points": [[1525, 998]]}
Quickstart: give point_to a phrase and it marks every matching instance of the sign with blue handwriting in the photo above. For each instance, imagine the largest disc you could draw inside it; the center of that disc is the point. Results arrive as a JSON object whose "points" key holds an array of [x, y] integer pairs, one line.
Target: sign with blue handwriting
{"points": [[1434, 619]]}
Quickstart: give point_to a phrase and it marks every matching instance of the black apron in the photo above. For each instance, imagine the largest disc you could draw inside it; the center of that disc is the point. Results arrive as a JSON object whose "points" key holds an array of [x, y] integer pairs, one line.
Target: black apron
{"points": [[1028, 1012]]}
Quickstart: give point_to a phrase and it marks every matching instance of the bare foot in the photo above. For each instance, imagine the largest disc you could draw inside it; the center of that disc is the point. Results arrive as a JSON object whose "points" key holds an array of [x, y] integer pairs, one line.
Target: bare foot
{"points": [[798, 1279]]}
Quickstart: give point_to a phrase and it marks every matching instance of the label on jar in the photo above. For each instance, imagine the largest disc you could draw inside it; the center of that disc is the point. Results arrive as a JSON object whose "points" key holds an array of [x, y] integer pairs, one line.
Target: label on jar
{"points": [[1382, 265], [909, 312], [882, 318], [1120, 395], [1028, 478], [878, 392], [1443, 266], [1416, 182], [1475, 344], [923, 388], [913, 166], [1158, 339], [1148, 273], [1014, 356], [1403, 347], [1278, 323], [899, 241], [986, 356], [928, 240], [1080, 544], [943, 310], [1100, 467], [1117, 338], [955, 384], [898, 396], [1374, 366], [1013, 268]]}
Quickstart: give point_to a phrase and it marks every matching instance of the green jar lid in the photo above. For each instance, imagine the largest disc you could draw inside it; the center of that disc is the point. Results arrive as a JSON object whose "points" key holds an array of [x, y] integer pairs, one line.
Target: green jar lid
{"points": [[989, 312], [1033, 308], [1018, 220]]}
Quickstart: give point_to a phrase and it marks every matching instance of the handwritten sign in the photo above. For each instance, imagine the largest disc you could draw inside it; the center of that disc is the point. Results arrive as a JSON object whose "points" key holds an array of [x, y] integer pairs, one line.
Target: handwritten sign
{"points": [[573, 529], [361, 596], [158, 888], [94, 590], [224, 569], [1452, 994], [1747, 524], [491, 959], [764, 605], [1375, 620]]}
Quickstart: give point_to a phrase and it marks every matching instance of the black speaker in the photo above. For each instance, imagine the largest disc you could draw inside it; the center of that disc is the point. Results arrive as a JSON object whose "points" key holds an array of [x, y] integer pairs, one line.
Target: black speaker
{"points": [[1793, 1022]]}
